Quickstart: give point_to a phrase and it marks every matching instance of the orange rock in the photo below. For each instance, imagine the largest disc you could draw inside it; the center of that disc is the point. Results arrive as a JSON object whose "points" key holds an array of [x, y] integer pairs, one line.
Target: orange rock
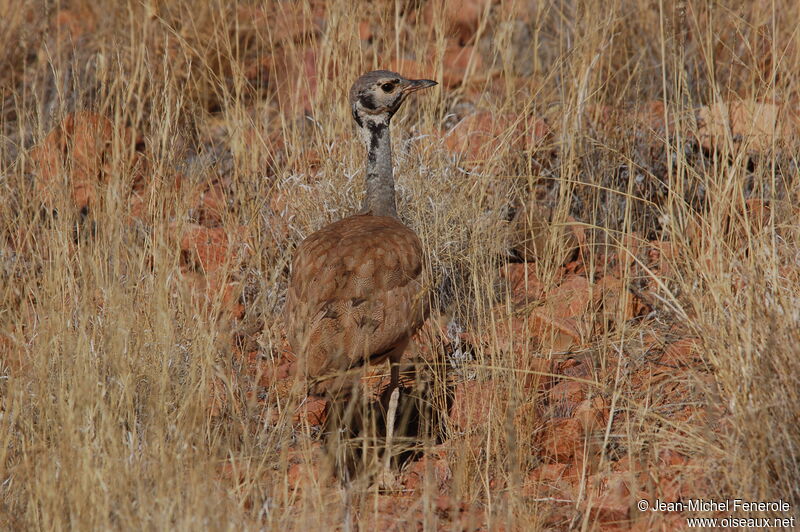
{"points": [[73, 154], [524, 285], [537, 372], [680, 353], [480, 136], [616, 300], [561, 321], [555, 334], [613, 503], [412, 69], [281, 22], [211, 205], [208, 247], [562, 440], [534, 229], [592, 414], [434, 467], [671, 458], [456, 62], [565, 397], [755, 125], [472, 404], [459, 18], [214, 291], [313, 410], [549, 472], [71, 24], [758, 213]]}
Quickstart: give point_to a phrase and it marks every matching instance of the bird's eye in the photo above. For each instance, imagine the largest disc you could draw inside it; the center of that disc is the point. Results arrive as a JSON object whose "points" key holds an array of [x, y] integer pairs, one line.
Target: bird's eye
{"points": [[387, 87]]}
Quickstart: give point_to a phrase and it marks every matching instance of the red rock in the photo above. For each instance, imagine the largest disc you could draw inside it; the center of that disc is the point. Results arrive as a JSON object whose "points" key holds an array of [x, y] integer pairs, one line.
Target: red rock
{"points": [[616, 301], [412, 69], [283, 22], [482, 135], [472, 404], [209, 247], [562, 440], [758, 213], [757, 126], [458, 18], [510, 334], [210, 292], [313, 410], [680, 353], [561, 321], [12, 355], [72, 24], [293, 73], [576, 367], [211, 205], [219, 392], [524, 285], [572, 297], [660, 257], [365, 32], [269, 374], [456, 62], [566, 396], [671, 458], [434, 467], [651, 115], [613, 504], [592, 414], [537, 237], [73, 153], [549, 472], [535, 372], [555, 334], [630, 249]]}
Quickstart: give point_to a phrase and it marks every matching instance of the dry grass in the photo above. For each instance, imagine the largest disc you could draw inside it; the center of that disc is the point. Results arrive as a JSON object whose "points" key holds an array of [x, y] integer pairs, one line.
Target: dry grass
{"points": [[126, 404]]}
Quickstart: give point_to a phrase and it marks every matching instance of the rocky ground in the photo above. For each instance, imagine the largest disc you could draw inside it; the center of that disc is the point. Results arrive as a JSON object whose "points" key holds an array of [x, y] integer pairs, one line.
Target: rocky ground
{"points": [[590, 301]]}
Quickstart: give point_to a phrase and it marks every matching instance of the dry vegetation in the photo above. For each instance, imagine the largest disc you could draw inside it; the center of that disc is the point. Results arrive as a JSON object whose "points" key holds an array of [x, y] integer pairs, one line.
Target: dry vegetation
{"points": [[608, 197]]}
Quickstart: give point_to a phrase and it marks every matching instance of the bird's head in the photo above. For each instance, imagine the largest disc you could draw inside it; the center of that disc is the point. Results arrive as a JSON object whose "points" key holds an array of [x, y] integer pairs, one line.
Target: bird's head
{"points": [[376, 96]]}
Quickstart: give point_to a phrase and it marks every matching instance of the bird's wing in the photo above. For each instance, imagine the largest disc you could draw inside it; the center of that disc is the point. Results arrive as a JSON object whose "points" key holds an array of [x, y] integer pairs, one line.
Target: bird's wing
{"points": [[355, 293]]}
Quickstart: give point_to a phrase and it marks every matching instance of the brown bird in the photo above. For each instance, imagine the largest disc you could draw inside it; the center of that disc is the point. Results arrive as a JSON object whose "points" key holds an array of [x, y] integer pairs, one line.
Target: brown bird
{"points": [[356, 290]]}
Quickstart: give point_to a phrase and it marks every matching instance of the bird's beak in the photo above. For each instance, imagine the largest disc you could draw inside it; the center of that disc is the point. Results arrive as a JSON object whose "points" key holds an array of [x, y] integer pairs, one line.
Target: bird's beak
{"points": [[416, 84]]}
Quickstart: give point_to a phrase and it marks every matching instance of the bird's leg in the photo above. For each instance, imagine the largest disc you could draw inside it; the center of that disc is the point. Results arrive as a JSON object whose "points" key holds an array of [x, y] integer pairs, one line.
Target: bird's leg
{"points": [[387, 479], [392, 413]]}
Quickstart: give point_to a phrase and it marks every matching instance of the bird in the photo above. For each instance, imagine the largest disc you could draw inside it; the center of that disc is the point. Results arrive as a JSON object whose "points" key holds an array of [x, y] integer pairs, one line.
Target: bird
{"points": [[356, 292]]}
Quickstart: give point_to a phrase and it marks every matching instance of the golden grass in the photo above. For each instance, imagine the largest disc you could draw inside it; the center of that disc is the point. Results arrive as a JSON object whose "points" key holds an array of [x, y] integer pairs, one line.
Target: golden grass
{"points": [[107, 364]]}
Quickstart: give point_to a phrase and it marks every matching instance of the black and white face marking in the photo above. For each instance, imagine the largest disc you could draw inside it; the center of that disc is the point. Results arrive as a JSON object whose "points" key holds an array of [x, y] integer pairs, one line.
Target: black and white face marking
{"points": [[376, 96], [383, 96]]}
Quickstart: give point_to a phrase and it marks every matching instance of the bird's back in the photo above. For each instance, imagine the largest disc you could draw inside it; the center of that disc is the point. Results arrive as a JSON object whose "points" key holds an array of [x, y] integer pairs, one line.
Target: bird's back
{"points": [[355, 293]]}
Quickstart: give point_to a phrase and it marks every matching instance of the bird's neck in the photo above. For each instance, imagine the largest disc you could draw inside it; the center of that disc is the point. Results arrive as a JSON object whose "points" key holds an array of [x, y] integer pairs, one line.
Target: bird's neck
{"points": [[379, 198]]}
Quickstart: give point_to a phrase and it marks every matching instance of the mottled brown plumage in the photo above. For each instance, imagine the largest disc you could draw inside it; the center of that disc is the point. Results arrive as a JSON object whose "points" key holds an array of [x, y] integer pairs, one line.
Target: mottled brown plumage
{"points": [[356, 296], [356, 292]]}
